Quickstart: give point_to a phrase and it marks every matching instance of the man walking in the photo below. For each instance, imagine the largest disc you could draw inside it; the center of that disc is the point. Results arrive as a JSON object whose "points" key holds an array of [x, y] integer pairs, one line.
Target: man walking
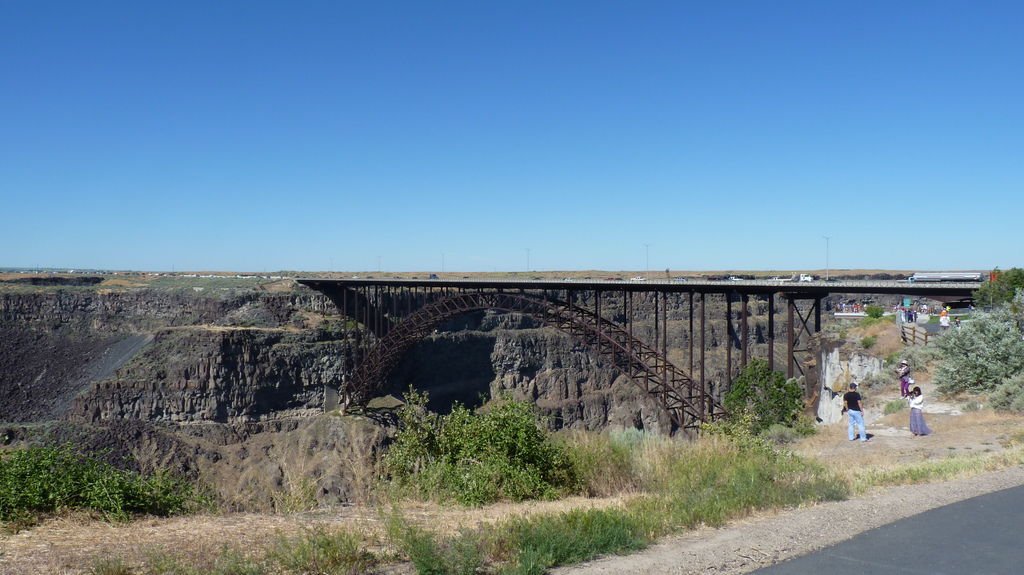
{"points": [[852, 407]]}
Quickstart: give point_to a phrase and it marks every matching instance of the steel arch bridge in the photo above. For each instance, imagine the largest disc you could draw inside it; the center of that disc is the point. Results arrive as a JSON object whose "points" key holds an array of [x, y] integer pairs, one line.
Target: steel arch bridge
{"points": [[391, 315], [686, 403]]}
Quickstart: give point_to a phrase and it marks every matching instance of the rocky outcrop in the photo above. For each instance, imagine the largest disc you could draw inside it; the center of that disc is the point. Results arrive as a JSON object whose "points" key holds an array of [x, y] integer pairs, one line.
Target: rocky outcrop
{"points": [[222, 375], [55, 344], [143, 310], [840, 368], [568, 385], [41, 371], [286, 465]]}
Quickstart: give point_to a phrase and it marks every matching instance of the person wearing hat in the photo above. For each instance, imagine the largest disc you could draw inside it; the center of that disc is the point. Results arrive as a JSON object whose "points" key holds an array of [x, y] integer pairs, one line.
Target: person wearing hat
{"points": [[852, 406], [903, 372]]}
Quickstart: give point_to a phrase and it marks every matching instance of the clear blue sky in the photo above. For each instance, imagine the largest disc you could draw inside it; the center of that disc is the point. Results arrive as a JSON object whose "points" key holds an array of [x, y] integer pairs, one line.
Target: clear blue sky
{"points": [[305, 135]]}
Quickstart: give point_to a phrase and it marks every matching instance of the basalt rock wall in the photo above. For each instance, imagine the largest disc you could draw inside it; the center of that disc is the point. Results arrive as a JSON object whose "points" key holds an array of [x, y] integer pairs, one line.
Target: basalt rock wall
{"points": [[224, 375], [56, 344], [140, 310]]}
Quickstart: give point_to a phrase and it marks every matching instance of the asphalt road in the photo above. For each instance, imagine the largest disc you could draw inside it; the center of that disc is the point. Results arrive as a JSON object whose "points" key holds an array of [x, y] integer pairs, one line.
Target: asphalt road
{"points": [[979, 536]]}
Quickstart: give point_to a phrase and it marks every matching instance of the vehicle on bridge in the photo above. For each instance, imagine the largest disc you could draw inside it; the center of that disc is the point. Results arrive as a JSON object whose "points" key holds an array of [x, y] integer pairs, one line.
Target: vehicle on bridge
{"points": [[946, 277]]}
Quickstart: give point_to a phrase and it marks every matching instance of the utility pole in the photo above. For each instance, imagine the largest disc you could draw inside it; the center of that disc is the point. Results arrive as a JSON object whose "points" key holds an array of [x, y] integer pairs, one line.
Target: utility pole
{"points": [[827, 238], [647, 260], [527, 259]]}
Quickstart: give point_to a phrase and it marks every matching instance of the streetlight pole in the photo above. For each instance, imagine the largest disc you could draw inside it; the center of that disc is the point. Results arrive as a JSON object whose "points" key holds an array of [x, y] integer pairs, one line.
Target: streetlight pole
{"points": [[527, 259], [827, 238], [647, 260]]}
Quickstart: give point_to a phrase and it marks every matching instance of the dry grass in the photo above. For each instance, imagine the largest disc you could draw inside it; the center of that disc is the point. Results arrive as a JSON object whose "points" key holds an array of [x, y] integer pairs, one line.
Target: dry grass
{"points": [[976, 434], [963, 444], [888, 340], [279, 286], [71, 544]]}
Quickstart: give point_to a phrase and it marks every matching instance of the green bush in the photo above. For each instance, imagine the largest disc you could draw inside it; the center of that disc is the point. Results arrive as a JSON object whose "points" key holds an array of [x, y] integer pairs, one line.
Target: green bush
{"points": [[982, 354], [971, 406], [781, 434], [477, 458], [462, 554], [874, 311], [871, 321], [575, 536], [322, 551], [1009, 395], [895, 406], [46, 479], [868, 342], [766, 394]]}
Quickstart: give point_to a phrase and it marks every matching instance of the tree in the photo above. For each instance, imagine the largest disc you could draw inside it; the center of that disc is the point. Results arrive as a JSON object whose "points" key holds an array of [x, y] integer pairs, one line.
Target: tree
{"points": [[766, 395], [1001, 289]]}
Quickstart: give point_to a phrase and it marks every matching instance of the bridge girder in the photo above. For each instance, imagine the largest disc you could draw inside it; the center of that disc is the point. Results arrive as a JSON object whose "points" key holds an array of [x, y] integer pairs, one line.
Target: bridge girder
{"points": [[685, 402]]}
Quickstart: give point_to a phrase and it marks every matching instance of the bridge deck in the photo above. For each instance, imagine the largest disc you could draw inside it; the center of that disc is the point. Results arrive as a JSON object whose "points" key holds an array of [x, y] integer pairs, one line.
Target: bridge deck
{"points": [[811, 289]]}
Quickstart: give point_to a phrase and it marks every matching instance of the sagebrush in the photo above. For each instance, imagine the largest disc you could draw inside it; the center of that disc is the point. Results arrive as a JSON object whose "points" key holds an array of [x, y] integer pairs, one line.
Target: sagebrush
{"points": [[46, 479], [477, 457]]}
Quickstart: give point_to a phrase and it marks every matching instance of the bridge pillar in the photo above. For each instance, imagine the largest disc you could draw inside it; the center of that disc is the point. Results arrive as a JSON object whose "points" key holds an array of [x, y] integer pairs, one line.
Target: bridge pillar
{"points": [[690, 340], [728, 340], [771, 332], [703, 380], [743, 327], [797, 329]]}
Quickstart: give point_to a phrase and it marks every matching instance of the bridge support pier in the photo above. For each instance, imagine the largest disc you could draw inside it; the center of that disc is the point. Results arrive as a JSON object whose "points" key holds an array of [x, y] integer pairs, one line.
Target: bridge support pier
{"points": [[796, 330]]}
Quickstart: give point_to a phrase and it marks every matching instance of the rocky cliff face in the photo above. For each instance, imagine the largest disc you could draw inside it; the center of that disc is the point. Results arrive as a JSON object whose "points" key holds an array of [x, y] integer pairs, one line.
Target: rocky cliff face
{"points": [[568, 385], [840, 368], [111, 311], [56, 344], [288, 464], [200, 384], [204, 374]]}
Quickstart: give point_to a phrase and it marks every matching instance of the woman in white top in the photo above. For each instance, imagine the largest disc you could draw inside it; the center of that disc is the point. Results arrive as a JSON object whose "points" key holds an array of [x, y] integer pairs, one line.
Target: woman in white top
{"points": [[917, 424]]}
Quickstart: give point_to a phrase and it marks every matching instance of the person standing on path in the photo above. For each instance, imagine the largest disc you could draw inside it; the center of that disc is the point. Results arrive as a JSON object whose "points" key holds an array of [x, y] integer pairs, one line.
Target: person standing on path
{"points": [[903, 373], [917, 424], [852, 406]]}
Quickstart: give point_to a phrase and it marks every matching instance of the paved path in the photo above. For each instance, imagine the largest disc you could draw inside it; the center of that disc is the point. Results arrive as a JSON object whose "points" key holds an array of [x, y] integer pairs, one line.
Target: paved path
{"points": [[977, 536]]}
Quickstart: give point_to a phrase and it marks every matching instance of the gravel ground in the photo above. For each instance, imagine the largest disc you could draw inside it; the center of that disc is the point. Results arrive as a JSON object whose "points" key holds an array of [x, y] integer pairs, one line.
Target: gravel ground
{"points": [[766, 539]]}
